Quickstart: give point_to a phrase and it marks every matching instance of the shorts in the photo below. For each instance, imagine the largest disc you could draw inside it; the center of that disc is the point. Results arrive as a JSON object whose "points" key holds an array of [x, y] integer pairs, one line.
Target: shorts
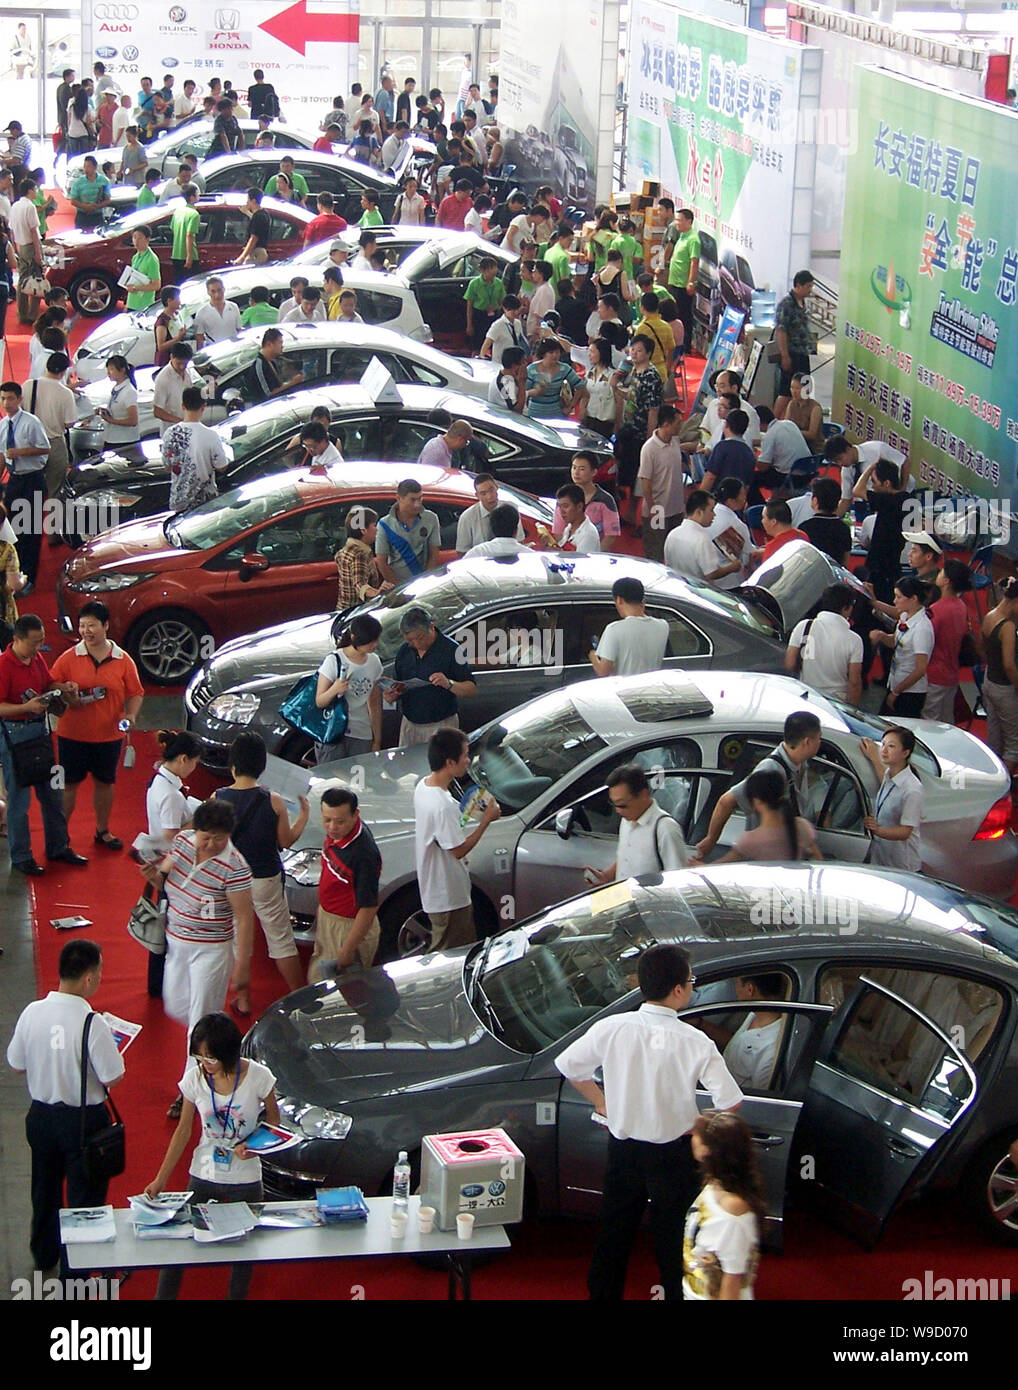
{"points": [[330, 933], [452, 929], [800, 363], [78, 759], [272, 912]]}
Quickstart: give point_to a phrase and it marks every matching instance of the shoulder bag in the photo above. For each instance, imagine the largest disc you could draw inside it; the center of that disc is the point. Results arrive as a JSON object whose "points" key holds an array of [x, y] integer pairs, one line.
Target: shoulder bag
{"points": [[300, 710], [104, 1152], [32, 760], [147, 922]]}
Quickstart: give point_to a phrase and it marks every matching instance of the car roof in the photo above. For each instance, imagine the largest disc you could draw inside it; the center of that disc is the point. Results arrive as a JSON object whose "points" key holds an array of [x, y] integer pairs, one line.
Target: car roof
{"points": [[357, 474], [338, 162], [241, 278], [776, 909], [324, 333]]}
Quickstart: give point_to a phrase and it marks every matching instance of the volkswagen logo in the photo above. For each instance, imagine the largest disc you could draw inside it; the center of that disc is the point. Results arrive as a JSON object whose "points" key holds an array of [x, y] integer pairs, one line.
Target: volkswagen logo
{"points": [[106, 52], [121, 12], [228, 20], [130, 53], [177, 14]]}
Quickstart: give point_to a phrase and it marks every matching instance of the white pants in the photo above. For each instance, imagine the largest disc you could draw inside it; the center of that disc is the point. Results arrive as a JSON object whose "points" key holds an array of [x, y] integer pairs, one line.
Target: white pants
{"points": [[196, 980]]}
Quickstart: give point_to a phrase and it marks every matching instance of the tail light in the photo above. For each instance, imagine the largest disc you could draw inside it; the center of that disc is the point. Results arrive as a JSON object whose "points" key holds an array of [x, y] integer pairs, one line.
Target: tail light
{"points": [[997, 821]]}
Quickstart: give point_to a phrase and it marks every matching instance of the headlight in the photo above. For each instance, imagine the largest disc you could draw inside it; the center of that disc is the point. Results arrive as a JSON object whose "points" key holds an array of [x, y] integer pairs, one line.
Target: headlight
{"points": [[304, 867], [314, 1122], [107, 583], [235, 709]]}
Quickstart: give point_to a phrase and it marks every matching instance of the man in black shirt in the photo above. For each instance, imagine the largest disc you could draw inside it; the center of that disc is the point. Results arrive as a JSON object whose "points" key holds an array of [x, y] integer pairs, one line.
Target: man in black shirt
{"points": [[504, 213], [572, 314], [404, 99], [887, 498], [428, 655], [468, 172], [263, 376], [256, 248], [226, 132], [261, 97], [825, 529]]}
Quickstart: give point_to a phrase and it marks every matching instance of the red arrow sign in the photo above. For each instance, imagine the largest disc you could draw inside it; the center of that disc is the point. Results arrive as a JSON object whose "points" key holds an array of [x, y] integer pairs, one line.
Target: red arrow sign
{"points": [[296, 28]]}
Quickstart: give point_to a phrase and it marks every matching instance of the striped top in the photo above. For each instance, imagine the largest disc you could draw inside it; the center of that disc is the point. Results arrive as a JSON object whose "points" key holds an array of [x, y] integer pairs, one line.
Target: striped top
{"points": [[199, 909]]}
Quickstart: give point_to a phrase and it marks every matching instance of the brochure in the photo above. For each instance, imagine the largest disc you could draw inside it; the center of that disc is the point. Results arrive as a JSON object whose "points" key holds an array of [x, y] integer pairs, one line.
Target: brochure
{"points": [[287, 1215], [155, 1211], [124, 1033], [87, 1225], [215, 1221], [339, 1204], [270, 1139], [67, 923], [129, 277]]}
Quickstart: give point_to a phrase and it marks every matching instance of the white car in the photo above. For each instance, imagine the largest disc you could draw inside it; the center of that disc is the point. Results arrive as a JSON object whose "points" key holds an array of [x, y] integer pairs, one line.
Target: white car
{"points": [[322, 352], [381, 299]]}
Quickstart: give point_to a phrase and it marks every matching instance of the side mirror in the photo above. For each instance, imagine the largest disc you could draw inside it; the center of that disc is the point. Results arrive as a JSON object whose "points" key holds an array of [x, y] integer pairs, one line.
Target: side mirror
{"points": [[251, 564], [564, 822]]}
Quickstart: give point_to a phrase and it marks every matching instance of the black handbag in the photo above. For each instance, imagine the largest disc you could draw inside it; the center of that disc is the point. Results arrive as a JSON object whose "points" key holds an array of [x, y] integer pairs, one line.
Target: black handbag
{"points": [[33, 759], [104, 1152]]}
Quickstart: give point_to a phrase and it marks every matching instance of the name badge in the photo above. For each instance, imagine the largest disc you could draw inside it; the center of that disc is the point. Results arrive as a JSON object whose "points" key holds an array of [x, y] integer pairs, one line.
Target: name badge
{"points": [[221, 1156]]}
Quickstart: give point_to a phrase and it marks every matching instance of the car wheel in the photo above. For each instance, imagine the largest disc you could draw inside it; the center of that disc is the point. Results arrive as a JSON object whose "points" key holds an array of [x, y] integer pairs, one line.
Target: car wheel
{"points": [[93, 293], [169, 645], [990, 1188], [399, 911], [298, 749]]}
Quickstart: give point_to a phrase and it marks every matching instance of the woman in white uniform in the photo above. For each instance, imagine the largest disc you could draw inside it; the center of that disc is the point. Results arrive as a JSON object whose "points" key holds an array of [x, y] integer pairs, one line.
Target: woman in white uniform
{"points": [[899, 804]]}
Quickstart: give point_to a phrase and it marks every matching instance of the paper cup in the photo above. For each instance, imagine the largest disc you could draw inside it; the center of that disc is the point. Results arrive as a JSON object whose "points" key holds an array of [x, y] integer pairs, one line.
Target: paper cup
{"points": [[397, 1225], [426, 1220], [465, 1225]]}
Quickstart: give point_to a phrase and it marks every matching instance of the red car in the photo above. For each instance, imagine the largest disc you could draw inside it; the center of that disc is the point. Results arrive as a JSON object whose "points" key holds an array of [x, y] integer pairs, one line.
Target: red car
{"points": [[179, 585], [88, 264]]}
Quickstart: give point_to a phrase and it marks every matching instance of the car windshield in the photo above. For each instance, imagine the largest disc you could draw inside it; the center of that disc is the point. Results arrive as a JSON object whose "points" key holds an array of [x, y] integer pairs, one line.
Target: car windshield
{"points": [[537, 984], [225, 359], [225, 516], [247, 437], [873, 726], [434, 592], [525, 753], [737, 608], [127, 223]]}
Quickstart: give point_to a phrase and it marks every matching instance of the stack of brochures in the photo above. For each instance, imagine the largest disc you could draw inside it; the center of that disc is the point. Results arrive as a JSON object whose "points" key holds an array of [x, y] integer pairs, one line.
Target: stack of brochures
{"points": [[84, 1225], [166, 1217], [215, 1221], [342, 1204]]}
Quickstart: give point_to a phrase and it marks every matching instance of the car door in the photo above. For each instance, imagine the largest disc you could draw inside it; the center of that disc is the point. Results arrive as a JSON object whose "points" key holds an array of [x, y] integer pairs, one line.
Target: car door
{"points": [[285, 569], [440, 288], [221, 236], [285, 236], [889, 1088], [772, 1111], [515, 655], [688, 647], [345, 190]]}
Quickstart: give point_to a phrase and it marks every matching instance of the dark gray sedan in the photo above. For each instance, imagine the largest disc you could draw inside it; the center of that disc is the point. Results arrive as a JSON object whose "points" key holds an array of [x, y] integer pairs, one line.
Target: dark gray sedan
{"points": [[893, 1066], [524, 623]]}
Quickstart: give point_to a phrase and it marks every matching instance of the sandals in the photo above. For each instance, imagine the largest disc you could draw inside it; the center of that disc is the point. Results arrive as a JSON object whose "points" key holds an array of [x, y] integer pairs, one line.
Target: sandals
{"points": [[104, 838], [173, 1113]]}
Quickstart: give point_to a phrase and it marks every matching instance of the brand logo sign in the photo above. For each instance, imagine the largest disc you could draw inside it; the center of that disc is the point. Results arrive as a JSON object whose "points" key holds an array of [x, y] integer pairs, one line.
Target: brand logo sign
{"points": [[177, 14], [228, 19], [130, 52], [106, 52], [116, 12], [170, 62], [115, 28], [228, 38]]}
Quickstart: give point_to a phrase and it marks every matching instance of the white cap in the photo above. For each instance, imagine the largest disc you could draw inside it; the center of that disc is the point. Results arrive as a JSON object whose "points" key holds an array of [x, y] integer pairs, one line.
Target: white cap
{"points": [[922, 538]]}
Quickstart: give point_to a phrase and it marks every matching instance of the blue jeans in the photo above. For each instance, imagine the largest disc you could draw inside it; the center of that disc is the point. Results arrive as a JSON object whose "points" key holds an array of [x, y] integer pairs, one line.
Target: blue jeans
{"points": [[50, 801]]}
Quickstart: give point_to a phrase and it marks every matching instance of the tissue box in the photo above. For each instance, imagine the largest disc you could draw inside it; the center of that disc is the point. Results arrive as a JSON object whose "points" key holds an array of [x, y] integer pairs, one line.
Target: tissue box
{"points": [[480, 1171]]}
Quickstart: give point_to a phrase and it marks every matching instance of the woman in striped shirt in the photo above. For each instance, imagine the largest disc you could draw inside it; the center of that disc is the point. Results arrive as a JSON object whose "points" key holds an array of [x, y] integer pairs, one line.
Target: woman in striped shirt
{"points": [[209, 921]]}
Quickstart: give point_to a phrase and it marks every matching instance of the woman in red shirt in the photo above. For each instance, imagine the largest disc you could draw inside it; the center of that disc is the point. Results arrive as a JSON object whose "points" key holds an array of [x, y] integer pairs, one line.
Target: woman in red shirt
{"points": [[950, 618]]}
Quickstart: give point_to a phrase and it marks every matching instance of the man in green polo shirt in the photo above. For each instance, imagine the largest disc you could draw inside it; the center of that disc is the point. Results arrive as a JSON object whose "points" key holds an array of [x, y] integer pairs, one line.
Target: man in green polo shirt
{"points": [[484, 295], [297, 181], [557, 255], [145, 262], [370, 217], [682, 270], [184, 226], [627, 243]]}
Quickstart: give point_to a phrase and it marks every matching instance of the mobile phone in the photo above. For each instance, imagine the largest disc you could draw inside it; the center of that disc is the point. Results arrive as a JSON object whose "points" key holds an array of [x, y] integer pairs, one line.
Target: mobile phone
{"points": [[590, 876]]}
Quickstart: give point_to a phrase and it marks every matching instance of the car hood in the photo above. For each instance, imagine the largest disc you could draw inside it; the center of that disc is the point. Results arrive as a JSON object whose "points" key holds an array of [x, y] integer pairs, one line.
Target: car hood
{"points": [[76, 238], [376, 1033], [788, 586], [111, 469], [97, 393], [288, 650], [135, 545], [384, 783]]}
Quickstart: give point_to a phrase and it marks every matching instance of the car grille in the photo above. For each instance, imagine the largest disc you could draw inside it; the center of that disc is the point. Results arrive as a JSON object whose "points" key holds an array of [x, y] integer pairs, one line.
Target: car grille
{"points": [[199, 693]]}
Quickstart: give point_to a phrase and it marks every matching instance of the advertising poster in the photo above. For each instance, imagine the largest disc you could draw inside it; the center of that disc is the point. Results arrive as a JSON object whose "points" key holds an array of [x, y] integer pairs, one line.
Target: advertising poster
{"points": [[714, 114], [550, 94], [927, 352], [720, 354], [307, 52]]}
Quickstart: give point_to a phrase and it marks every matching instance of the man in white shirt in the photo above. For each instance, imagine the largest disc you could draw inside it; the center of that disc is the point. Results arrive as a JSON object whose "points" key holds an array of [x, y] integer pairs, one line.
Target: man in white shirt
{"points": [[49, 400], [652, 1064], [505, 332], [440, 449], [542, 301], [442, 844], [219, 319], [781, 447], [186, 178], [123, 116], [24, 226], [854, 459], [505, 527], [636, 642], [46, 1049], [184, 104], [728, 382], [825, 650], [731, 496], [690, 550], [580, 534], [309, 310], [473, 527], [320, 448], [169, 384], [392, 145], [650, 840], [194, 454], [662, 477]]}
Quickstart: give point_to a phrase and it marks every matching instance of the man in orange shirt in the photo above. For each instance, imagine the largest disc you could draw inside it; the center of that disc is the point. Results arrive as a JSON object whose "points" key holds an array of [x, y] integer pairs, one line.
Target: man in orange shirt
{"points": [[89, 734], [777, 522]]}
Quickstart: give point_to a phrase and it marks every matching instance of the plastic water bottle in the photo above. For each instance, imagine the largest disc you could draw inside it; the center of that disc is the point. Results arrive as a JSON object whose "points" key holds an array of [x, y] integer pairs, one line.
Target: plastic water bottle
{"points": [[401, 1183]]}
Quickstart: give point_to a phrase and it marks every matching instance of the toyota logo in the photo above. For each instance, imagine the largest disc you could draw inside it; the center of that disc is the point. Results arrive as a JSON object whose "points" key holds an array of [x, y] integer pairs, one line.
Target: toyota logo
{"points": [[228, 20], [105, 11], [130, 53], [178, 14]]}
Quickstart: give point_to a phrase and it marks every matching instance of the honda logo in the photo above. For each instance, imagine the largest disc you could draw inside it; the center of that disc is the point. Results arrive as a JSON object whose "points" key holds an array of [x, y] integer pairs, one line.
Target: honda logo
{"points": [[228, 20], [121, 12]]}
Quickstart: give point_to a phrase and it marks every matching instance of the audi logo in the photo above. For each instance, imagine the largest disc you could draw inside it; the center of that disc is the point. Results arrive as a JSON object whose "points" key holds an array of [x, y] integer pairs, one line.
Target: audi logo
{"points": [[130, 52], [228, 20], [105, 11]]}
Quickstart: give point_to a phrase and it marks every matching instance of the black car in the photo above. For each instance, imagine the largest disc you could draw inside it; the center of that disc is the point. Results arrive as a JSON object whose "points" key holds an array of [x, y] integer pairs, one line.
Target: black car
{"points": [[346, 179], [528, 454]]}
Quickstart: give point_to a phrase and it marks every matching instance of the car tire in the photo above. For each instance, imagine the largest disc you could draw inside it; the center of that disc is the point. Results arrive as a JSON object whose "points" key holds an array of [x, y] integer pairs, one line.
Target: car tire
{"points": [[168, 645], [94, 293], [984, 1191], [406, 927], [298, 749]]}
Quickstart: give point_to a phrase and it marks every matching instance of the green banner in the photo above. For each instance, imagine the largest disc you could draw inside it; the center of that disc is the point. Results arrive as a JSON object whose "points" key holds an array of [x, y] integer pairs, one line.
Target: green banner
{"points": [[927, 353]]}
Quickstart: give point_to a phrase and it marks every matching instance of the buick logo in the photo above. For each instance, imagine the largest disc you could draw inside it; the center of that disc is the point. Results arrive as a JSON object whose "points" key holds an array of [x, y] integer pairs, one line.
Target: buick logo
{"points": [[106, 52], [130, 52], [122, 12], [177, 14], [227, 20]]}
